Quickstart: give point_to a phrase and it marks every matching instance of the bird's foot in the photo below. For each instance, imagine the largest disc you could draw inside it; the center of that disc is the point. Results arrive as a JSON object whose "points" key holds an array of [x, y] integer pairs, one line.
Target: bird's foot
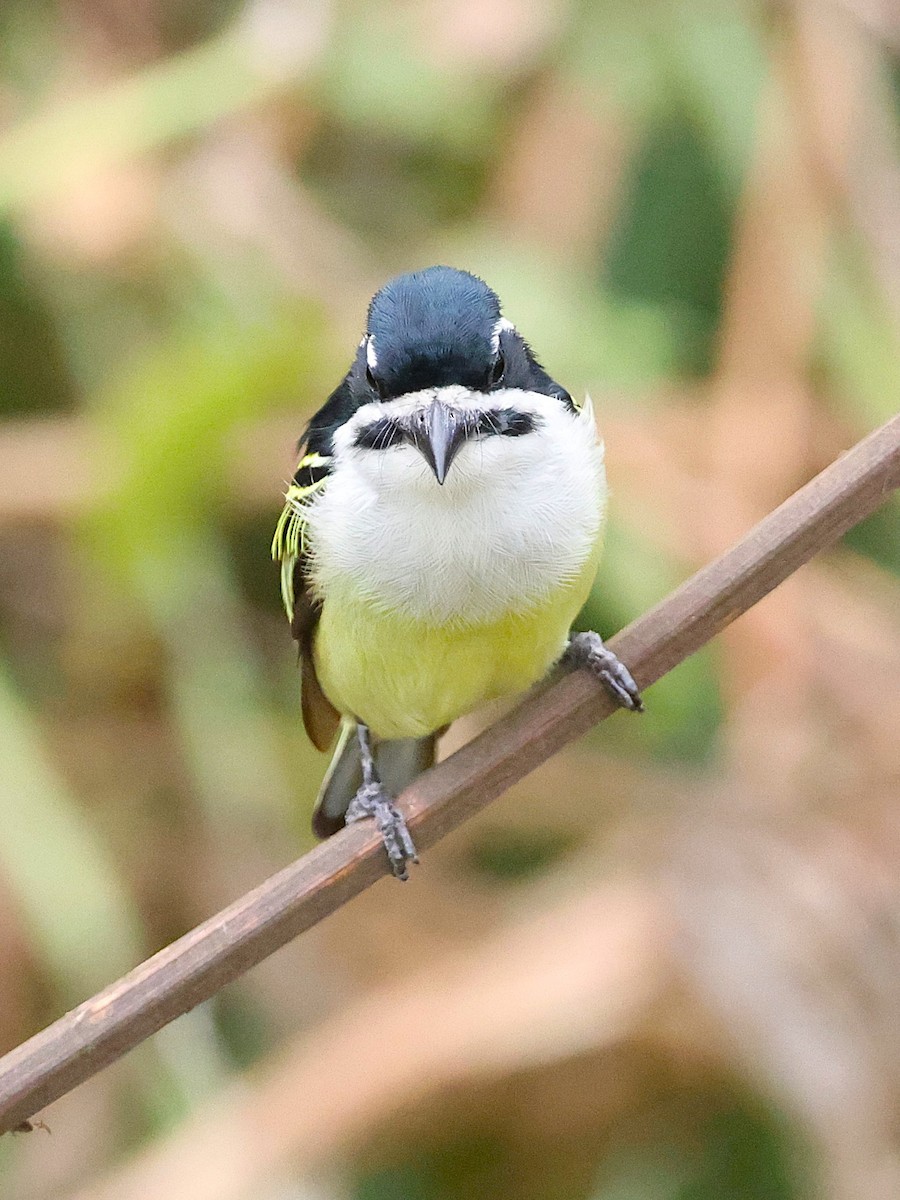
{"points": [[373, 801], [588, 650]]}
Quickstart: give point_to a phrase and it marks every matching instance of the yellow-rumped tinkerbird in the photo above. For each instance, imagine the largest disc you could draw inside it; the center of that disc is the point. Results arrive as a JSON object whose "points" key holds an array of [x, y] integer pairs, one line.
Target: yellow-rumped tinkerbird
{"points": [[440, 534]]}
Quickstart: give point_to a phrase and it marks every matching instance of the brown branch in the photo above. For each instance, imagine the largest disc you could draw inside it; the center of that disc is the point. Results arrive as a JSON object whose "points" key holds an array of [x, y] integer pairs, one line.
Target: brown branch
{"points": [[224, 947]]}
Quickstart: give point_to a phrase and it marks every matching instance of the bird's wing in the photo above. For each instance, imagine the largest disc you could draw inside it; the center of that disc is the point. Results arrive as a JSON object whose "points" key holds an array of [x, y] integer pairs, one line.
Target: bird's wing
{"points": [[320, 717]]}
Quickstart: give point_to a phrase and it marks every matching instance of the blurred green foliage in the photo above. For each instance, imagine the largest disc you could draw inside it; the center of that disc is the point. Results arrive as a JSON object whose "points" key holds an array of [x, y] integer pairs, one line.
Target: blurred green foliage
{"points": [[703, 1147], [32, 359]]}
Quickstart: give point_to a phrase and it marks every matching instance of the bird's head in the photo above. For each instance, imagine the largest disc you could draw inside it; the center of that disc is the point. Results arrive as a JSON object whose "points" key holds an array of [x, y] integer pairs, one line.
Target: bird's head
{"points": [[439, 367]]}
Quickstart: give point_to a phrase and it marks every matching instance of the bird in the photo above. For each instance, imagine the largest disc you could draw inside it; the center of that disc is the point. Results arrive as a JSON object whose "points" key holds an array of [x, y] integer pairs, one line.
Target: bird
{"points": [[441, 533]]}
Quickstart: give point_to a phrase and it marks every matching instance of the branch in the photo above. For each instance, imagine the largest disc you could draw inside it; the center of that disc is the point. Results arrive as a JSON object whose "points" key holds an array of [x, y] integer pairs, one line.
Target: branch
{"points": [[192, 969]]}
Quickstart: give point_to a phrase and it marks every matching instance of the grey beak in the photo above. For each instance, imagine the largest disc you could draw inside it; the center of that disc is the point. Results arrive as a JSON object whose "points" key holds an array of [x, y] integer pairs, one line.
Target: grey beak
{"points": [[441, 434]]}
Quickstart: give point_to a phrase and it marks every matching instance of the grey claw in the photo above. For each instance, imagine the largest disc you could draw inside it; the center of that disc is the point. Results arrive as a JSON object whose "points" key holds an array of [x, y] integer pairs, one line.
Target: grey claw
{"points": [[372, 801], [588, 650]]}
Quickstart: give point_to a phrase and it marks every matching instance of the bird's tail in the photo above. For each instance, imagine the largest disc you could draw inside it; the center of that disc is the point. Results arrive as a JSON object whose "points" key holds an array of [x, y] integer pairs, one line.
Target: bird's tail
{"points": [[397, 762]]}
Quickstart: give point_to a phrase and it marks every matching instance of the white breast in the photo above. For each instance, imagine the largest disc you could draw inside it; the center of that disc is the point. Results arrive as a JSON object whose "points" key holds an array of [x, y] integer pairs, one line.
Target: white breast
{"points": [[515, 517]]}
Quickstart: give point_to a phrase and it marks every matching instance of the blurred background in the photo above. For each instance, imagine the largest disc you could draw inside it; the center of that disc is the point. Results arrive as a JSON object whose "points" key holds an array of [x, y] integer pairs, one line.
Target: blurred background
{"points": [[664, 968]]}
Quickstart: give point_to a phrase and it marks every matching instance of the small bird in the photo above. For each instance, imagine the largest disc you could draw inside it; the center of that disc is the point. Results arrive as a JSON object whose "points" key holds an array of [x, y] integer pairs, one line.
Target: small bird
{"points": [[441, 532]]}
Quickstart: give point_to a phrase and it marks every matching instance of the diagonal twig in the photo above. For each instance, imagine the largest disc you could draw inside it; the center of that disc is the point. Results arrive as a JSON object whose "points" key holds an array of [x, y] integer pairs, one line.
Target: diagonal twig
{"points": [[192, 969]]}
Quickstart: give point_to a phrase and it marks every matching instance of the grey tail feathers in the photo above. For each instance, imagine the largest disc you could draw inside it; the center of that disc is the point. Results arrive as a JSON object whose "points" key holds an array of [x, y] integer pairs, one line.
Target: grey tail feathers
{"points": [[397, 763]]}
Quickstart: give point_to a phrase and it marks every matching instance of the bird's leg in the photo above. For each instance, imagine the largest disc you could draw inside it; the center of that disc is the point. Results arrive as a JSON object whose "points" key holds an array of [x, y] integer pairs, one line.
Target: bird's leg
{"points": [[373, 801], [588, 650]]}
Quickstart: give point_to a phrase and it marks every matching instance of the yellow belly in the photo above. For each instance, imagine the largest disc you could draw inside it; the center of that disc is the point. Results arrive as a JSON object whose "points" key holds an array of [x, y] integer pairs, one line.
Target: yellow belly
{"points": [[407, 679]]}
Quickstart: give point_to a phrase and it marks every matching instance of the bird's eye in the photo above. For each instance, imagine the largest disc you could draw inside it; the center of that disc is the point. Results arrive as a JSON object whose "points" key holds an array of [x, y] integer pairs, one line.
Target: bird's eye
{"points": [[374, 383], [498, 370]]}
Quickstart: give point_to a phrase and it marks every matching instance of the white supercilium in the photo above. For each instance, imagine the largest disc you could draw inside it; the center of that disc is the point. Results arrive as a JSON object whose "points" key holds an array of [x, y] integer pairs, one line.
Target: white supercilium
{"points": [[500, 326]]}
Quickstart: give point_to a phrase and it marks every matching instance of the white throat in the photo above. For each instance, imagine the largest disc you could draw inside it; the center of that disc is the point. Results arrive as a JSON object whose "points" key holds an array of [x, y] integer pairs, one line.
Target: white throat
{"points": [[516, 518]]}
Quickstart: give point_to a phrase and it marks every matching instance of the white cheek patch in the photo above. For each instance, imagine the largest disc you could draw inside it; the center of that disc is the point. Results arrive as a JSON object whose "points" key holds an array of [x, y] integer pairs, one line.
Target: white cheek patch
{"points": [[516, 518]]}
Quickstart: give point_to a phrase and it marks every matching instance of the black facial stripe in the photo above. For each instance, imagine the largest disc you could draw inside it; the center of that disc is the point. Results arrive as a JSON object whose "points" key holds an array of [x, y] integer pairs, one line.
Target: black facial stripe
{"points": [[508, 422], [392, 431], [386, 431]]}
